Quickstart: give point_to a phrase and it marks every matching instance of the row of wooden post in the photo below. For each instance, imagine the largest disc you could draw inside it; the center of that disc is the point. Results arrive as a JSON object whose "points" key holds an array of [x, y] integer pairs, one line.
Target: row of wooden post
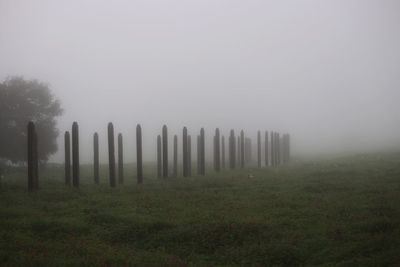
{"points": [[111, 156], [277, 151], [240, 157]]}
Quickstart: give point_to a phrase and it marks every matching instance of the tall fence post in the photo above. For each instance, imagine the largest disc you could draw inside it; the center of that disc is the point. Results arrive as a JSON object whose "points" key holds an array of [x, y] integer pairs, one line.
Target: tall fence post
{"points": [[217, 151], [239, 161], [223, 152], [198, 155], [259, 149], [139, 155], [202, 152], [242, 159], [159, 161], [272, 149], [165, 150], [111, 154], [214, 154], [175, 165], [232, 149], [184, 152], [266, 149], [96, 158], [288, 147], [67, 159], [278, 149], [75, 154], [32, 157], [36, 157], [120, 159], [189, 155]]}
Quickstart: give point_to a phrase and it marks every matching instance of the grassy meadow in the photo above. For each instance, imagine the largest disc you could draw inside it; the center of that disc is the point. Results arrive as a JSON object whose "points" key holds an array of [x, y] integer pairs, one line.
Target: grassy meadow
{"points": [[331, 212]]}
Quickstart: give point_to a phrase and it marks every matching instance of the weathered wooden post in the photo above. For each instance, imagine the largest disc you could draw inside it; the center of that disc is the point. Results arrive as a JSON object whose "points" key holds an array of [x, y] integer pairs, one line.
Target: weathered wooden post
{"points": [[189, 155], [159, 161], [184, 152], [223, 152], [175, 165], [111, 154], [242, 159], [139, 154], [275, 151], [272, 149], [202, 152], [232, 149], [278, 149], [67, 160], [238, 151], [283, 148], [36, 161], [96, 158], [75, 154], [266, 149], [198, 155], [31, 157], [217, 151], [288, 147], [120, 159], [214, 155], [165, 150], [259, 149]]}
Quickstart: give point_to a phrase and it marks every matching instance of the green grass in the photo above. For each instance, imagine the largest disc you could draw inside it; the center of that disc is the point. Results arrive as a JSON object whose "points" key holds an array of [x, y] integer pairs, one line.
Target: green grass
{"points": [[341, 212]]}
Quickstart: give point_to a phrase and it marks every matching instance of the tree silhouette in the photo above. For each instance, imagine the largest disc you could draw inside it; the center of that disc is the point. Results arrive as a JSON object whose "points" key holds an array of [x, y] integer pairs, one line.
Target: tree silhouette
{"points": [[22, 101]]}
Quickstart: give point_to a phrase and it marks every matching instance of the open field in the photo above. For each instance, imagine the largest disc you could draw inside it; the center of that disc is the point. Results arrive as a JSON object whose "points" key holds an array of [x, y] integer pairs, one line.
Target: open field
{"points": [[339, 212]]}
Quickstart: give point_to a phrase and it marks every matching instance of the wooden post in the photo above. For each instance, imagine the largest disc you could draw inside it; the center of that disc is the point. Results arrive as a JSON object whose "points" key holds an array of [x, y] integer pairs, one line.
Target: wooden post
{"points": [[232, 150], [139, 155], [159, 161], [239, 161], [31, 157], [96, 158], [67, 159], [189, 155], [111, 154], [278, 149], [217, 151], [266, 149], [288, 147], [36, 160], [75, 155], [175, 167], [165, 150], [259, 149], [272, 149], [223, 152], [214, 155], [242, 159], [199, 155], [120, 159], [184, 154], [202, 152]]}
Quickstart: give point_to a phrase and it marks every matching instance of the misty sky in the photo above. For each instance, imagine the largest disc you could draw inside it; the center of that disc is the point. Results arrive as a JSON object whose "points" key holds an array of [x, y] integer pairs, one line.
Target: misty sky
{"points": [[328, 72]]}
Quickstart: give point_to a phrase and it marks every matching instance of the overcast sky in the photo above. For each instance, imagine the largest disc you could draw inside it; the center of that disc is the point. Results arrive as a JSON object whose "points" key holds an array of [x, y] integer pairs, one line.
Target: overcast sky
{"points": [[327, 72]]}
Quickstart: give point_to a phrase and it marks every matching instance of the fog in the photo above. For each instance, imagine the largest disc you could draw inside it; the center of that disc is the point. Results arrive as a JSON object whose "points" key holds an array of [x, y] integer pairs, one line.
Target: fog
{"points": [[327, 72]]}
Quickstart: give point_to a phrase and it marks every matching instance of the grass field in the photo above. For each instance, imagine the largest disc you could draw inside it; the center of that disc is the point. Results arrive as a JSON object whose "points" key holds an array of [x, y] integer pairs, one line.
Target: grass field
{"points": [[338, 212]]}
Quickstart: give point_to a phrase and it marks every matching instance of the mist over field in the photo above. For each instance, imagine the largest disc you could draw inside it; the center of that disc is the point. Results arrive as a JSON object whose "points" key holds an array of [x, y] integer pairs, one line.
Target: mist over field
{"points": [[327, 72]]}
